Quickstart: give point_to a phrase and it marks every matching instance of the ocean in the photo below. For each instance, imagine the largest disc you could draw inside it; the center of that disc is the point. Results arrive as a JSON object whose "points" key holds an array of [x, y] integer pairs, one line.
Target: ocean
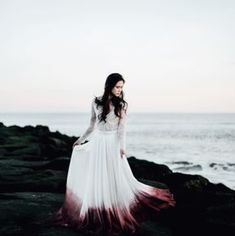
{"points": [[192, 143]]}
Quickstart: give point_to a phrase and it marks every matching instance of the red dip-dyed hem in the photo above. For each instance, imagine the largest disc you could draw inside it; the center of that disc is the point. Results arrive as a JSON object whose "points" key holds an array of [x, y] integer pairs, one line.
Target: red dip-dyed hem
{"points": [[113, 220]]}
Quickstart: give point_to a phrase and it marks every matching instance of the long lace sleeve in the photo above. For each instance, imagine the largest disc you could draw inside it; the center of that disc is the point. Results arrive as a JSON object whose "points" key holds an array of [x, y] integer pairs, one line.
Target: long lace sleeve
{"points": [[91, 127], [122, 129]]}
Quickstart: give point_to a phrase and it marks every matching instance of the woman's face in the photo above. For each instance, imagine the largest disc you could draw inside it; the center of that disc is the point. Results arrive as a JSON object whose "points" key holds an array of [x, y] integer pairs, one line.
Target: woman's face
{"points": [[117, 89]]}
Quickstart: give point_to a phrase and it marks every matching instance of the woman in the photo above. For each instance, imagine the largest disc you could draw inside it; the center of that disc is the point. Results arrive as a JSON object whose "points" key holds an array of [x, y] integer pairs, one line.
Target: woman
{"points": [[102, 195]]}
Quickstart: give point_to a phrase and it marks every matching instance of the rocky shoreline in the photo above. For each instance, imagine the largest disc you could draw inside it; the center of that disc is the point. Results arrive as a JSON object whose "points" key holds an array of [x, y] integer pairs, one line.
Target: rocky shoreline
{"points": [[34, 163]]}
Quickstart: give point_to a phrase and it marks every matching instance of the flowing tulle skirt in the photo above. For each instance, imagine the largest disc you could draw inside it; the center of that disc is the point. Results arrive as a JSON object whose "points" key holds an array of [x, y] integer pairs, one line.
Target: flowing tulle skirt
{"points": [[102, 195]]}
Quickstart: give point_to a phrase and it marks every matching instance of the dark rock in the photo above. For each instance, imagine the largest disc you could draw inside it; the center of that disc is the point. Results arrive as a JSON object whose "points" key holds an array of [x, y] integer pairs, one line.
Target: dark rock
{"points": [[231, 164], [34, 164], [181, 162], [215, 164], [226, 166], [37, 142], [188, 168], [148, 170]]}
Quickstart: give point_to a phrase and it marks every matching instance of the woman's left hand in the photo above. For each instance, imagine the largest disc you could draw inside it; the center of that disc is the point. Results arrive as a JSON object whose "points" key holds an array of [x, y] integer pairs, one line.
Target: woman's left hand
{"points": [[122, 152]]}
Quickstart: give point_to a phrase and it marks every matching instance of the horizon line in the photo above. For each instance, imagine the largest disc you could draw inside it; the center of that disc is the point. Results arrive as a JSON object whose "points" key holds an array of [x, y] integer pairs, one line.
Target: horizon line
{"points": [[144, 112]]}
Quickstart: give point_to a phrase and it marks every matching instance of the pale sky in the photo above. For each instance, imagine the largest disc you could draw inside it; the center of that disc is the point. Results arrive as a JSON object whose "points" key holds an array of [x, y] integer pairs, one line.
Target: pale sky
{"points": [[175, 55]]}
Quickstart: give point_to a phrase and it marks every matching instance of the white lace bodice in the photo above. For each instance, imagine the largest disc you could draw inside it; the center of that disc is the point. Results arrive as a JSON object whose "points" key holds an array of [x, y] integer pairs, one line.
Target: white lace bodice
{"points": [[112, 123]]}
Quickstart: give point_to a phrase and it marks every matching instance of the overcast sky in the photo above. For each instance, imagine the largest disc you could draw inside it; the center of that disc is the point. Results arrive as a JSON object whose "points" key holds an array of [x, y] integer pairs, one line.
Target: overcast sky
{"points": [[176, 56]]}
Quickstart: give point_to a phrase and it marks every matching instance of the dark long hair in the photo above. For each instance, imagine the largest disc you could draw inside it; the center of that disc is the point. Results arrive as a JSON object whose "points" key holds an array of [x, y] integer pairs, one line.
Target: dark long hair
{"points": [[118, 102]]}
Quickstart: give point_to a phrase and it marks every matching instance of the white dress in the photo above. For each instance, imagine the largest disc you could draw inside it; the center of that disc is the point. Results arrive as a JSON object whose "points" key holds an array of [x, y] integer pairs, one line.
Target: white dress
{"points": [[102, 195]]}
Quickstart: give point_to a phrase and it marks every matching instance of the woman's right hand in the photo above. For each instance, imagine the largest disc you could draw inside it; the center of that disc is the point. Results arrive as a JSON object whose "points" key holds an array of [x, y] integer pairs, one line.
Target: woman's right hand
{"points": [[122, 152], [77, 142]]}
